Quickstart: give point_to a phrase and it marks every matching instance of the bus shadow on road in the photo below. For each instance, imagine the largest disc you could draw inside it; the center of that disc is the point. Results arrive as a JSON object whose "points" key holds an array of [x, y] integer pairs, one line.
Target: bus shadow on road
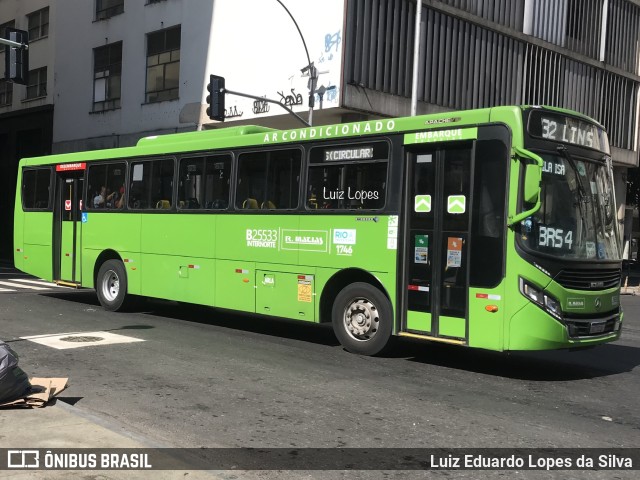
{"points": [[547, 366], [272, 326], [558, 365]]}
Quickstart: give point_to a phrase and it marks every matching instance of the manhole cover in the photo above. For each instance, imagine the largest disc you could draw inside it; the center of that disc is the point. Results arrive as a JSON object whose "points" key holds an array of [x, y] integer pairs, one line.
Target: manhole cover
{"points": [[80, 338]]}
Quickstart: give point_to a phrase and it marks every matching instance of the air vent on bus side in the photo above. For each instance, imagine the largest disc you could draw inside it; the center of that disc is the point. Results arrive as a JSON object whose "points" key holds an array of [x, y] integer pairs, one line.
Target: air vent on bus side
{"points": [[600, 279]]}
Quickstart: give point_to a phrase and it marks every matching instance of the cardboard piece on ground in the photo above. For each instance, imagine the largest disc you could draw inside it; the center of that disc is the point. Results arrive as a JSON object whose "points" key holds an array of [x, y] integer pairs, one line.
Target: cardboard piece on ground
{"points": [[42, 390]]}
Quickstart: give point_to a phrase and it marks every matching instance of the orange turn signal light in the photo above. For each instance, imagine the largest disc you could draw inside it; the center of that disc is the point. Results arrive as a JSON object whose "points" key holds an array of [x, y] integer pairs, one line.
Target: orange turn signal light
{"points": [[491, 308]]}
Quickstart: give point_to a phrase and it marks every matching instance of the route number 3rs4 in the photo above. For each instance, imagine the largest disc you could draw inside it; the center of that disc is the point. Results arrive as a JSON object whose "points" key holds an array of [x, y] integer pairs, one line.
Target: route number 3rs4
{"points": [[555, 238]]}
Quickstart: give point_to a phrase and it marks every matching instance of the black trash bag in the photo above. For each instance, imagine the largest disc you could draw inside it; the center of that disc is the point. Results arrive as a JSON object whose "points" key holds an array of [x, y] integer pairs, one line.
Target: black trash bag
{"points": [[14, 383]]}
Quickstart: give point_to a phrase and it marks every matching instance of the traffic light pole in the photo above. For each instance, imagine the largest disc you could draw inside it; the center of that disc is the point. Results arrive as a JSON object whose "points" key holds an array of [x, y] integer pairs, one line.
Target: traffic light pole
{"points": [[4, 41], [265, 99]]}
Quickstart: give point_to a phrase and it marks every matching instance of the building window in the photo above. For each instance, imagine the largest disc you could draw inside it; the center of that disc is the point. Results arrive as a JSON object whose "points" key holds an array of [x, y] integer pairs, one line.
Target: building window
{"points": [[5, 25], [163, 65], [108, 8], [107, 76], [6, 93], [38, 24], [37, 86]]}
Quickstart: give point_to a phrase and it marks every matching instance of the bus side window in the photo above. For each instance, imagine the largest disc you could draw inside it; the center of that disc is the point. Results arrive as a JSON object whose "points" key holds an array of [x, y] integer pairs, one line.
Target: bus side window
{"points": [[106, 187], [217, 180], [348, 176], [36, 187], [152, 185], [269, 180]]}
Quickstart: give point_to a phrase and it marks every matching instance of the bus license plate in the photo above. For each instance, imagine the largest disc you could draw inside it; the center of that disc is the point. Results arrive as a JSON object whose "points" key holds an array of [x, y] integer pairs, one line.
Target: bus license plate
{"points": [[597, 327]]}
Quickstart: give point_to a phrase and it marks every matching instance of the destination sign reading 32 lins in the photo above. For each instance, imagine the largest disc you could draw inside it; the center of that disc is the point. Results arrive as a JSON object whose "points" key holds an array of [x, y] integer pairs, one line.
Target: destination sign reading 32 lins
{"points": [[566, 129]]}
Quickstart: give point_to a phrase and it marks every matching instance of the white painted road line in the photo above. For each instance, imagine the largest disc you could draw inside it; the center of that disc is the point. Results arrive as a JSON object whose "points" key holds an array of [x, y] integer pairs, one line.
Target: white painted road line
{"points": [[7, 290], [21, 285], [35, 282]]}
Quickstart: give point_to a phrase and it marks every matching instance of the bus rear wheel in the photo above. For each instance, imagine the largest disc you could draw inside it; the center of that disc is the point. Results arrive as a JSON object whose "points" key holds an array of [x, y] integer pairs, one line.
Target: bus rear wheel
{"points": [[111, 285], [362, 319]]}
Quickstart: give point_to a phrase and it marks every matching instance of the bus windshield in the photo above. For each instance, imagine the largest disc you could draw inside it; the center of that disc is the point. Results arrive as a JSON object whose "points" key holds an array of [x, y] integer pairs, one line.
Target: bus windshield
{"points": [[577, 219]]}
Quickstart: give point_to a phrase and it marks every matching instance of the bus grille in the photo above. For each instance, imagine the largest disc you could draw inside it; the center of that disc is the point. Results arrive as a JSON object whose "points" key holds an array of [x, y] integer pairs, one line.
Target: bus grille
{"points": [[589, 279], [582, 326]]}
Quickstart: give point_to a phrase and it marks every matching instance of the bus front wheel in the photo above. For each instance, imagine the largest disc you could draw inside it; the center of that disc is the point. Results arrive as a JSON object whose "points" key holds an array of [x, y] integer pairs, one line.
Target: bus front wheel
{"points": [[362, 319], [111, 285]]}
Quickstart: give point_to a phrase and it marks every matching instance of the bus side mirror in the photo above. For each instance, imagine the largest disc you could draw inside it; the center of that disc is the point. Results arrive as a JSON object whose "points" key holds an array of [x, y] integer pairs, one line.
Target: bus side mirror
{"points": [[532, 178], [531, 187]]}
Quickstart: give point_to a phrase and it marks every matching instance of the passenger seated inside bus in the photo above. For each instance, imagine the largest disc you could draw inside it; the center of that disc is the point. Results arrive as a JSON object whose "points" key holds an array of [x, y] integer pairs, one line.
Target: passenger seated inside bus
{"points": [[104, 199], [98, 199], [268, 205], [120, 201]]}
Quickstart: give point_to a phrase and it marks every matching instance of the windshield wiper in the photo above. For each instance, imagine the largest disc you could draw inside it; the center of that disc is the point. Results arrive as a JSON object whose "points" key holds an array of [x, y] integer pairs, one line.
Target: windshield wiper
{"points": [[582, 192]]}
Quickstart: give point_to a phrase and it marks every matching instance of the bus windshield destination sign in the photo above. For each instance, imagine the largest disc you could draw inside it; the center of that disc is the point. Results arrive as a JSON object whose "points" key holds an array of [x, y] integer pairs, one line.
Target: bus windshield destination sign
{"points": [[560, 128]]}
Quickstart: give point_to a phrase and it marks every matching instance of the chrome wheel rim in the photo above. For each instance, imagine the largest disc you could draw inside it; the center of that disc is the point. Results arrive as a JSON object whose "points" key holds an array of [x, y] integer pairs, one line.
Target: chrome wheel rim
{"points": [[361, 320], [110, 285]]}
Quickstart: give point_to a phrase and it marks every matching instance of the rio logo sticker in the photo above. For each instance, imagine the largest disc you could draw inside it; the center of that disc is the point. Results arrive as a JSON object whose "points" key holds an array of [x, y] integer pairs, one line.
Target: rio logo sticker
{"points": [[344, 239], [344, 236]]}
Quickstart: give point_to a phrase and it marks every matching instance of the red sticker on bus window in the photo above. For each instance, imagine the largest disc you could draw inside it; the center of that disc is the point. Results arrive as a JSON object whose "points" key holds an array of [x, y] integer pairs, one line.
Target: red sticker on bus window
{"points": [[67, 205]]}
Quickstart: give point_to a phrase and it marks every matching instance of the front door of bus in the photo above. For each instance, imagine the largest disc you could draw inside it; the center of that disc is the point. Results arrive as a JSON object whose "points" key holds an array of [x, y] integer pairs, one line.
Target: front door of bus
{"points": [[437, 254], [68, 226]]}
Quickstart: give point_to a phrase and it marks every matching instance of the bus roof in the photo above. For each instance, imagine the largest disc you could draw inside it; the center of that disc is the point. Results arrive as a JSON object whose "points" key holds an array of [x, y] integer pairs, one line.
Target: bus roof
{"points": [[253, 135]]}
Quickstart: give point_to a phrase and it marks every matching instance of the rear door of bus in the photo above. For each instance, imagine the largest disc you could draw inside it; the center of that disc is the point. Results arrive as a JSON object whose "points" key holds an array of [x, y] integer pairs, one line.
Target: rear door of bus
{"points": [[67, 223]]}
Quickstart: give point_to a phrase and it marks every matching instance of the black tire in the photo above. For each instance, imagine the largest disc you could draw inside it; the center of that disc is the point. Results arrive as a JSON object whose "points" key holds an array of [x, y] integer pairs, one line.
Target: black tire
{"points": [[362, 319], [111, 285]]}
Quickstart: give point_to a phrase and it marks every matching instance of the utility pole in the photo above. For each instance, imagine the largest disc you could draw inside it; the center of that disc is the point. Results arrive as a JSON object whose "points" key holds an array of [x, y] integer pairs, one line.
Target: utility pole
{"points": [[310, 68], [416, 59]]}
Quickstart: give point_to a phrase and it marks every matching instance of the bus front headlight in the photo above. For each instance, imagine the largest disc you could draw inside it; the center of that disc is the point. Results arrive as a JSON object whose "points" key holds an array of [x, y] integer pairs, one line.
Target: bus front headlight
{"points": [[541, 298], [553, 306], [532, 293]]}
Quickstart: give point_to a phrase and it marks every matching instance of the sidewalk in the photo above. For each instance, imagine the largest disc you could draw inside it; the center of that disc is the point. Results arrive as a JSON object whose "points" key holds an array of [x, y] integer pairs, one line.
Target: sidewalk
{"points": [[64, 426], [630, 281]]}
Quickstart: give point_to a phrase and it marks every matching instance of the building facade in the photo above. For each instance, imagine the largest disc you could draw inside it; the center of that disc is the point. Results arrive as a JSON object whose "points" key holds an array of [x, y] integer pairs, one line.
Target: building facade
{"points": [[125, 69], [26, 111], [577, 54]]}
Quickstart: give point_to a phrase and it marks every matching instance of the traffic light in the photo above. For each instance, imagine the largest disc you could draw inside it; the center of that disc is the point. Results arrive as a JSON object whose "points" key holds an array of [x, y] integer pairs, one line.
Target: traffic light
{"points": [[16, 59], [215, 99]]}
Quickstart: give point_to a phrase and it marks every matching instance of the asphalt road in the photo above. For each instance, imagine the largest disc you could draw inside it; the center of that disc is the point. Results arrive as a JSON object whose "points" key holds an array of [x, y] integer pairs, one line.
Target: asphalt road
{"points": [[207, 378]]}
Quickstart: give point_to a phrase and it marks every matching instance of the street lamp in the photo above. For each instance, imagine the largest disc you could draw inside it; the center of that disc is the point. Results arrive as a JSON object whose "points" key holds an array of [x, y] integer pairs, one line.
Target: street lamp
{"points": [[310, 69]]}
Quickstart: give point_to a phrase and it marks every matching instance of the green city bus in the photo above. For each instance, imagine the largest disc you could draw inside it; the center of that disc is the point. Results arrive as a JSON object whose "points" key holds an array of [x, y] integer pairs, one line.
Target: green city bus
{"points": [[493, 228]]}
